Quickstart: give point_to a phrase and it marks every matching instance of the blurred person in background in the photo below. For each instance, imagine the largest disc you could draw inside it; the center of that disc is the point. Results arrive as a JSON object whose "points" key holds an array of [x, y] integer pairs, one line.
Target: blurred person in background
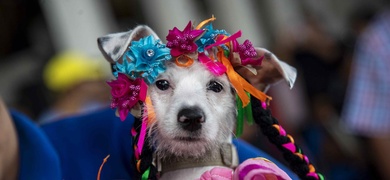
{"points": [[317, 56], [323, 61], [77, 84], [25, 151], [366, 113]]}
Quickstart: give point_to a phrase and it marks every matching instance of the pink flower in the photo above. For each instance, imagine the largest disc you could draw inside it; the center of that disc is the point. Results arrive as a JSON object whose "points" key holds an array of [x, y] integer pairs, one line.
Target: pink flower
{"points": [[183, 42], [121, 86], [126, 93]]}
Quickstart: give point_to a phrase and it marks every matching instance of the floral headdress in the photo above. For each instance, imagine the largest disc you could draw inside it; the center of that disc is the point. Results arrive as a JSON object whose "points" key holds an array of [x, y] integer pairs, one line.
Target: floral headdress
{"points": [[216, 49], [138, 58]]}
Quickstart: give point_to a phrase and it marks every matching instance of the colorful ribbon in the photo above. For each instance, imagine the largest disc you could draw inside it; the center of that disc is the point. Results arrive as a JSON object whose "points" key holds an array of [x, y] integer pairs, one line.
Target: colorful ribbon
{"points": [[184, 61], [215, 67], [240, 84], [243, 113], [200, 25], [240, 117], [223, 40], [145, 175]]}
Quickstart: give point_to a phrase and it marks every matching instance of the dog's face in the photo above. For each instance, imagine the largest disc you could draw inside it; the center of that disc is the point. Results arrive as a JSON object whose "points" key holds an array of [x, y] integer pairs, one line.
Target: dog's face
{"points": [[195, 110]]}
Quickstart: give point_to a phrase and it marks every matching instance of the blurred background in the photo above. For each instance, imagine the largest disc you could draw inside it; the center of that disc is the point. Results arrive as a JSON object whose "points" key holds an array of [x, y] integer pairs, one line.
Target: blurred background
{"points": [[50, 66]]}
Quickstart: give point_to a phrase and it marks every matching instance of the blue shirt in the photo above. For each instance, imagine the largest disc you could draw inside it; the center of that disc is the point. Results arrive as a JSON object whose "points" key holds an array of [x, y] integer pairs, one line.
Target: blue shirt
{"points": [[38, 158], [82, 142]]}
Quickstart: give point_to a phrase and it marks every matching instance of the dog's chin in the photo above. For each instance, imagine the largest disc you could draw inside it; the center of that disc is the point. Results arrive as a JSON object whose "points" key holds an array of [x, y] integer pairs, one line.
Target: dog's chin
{"points": [[193, 147], [188, 139]]}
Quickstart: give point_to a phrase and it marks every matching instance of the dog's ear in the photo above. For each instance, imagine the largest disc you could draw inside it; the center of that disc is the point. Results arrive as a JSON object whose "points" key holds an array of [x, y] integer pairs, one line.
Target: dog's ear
{"points": [[113, 46], [271, 71]]}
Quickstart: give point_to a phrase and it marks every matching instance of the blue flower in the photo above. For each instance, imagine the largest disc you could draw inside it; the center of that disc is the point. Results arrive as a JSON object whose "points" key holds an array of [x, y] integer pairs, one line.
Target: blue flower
{"points": [[124, 68], [145, 59], [209, 36]]}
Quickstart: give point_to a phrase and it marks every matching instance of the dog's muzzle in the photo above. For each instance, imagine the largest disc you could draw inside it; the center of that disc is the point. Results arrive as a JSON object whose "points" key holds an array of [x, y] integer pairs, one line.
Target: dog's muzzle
{"points": [[191, 118]]}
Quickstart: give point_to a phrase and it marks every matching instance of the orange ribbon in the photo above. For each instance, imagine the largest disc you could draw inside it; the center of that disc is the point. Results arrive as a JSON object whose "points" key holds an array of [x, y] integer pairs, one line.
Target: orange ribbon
{"points": [[200, 25], [184, 61], [150, 110], [240, 84], [101, 167]]}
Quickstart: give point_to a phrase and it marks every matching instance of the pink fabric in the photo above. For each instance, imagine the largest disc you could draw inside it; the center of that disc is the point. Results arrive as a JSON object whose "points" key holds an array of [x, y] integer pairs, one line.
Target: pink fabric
{"points": [[217, 68], [259, 169], [217, 173], [251, 169]]}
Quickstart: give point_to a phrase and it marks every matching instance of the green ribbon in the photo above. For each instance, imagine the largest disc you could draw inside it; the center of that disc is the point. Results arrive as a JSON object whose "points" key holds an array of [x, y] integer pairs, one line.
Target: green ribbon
{"points": [[321, 176], [243, 112], [145, 175], [226, 53], [240, 117]]}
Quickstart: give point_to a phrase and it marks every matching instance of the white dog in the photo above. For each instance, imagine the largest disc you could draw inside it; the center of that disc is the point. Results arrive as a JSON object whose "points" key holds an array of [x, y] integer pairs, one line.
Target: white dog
{"points": [[195, 110]]}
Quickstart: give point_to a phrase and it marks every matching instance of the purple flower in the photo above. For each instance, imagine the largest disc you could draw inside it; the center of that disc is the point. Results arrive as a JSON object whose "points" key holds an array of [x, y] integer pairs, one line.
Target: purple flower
{"points": [[247, 53], [247, 50], [183, 42]]}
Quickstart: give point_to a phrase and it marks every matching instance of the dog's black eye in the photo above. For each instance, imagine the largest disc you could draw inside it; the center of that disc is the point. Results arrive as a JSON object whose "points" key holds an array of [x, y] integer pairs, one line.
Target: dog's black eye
{"points": [[214, 86], [162, 84]]}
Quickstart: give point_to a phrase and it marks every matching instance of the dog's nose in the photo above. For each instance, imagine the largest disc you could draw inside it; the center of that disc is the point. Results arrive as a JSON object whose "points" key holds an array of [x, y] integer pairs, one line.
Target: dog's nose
{"points": [[191, 118]]}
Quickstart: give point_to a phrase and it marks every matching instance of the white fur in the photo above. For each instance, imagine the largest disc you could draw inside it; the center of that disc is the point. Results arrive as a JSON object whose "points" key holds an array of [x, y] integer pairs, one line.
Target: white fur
{"points": [[188, 87]]}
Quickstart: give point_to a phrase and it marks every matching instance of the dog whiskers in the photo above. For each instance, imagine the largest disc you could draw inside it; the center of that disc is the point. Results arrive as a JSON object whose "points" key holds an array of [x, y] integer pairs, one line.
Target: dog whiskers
{"points": [[234, 134]]}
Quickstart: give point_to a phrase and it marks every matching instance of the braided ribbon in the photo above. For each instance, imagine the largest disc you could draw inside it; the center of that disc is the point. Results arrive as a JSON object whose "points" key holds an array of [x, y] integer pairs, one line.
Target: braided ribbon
{"points": [[140, 137], [298, 152]]}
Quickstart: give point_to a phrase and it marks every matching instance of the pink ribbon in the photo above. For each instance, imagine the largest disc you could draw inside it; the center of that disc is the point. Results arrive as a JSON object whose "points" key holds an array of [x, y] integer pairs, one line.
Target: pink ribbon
{"points": [[217, 68], [141, 139]]}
